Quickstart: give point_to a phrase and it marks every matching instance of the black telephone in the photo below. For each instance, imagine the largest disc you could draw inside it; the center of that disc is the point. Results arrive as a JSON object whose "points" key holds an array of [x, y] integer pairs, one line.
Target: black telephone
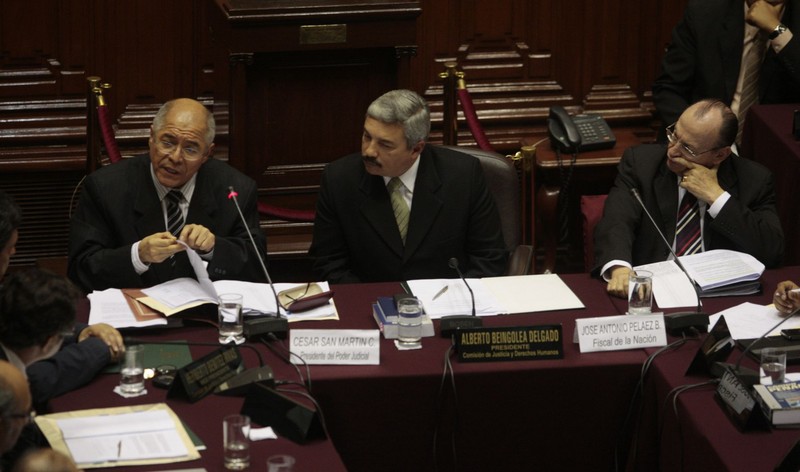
{"points": [[584, 132]]}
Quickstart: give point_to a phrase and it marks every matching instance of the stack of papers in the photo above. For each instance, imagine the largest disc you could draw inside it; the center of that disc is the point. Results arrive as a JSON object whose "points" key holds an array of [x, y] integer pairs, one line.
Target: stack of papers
{"points": [[149, 307], [749, 321], [718, 272], [494, 295], [145, 434]]}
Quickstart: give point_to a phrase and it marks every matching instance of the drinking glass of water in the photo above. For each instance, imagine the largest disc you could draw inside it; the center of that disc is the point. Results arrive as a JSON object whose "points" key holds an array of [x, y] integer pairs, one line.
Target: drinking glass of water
{"points": [[409, 322], [231, 326], [640, 292], [132, 369], [773, 366], [236, 441]]}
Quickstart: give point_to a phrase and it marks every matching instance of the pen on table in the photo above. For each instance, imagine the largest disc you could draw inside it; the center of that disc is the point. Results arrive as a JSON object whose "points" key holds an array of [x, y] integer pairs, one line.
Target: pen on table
{"points": [[119, 449], [441, 292]]}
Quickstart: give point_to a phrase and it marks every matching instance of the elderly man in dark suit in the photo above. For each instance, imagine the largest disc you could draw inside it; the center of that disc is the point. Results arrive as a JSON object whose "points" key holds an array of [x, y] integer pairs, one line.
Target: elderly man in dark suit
{"points": [[732, 199], [131, 215], [400, 209]]}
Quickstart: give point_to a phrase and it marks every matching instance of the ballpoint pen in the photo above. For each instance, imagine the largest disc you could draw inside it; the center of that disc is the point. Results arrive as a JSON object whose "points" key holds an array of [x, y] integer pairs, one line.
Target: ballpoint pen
{"points": [[441, 292]]}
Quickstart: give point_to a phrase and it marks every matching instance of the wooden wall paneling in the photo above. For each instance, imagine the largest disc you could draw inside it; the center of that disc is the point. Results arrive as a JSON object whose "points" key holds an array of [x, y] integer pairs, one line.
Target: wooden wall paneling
{"points": [[655, 36], [29, 49], [609, 80], [74, 46], [509, 52], [146, 50], [320, 99]]}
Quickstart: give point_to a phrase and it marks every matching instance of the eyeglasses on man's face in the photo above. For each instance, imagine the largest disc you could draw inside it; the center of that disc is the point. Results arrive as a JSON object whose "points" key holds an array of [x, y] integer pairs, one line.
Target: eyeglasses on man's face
{"points": [[682, 147], [189, 152]]}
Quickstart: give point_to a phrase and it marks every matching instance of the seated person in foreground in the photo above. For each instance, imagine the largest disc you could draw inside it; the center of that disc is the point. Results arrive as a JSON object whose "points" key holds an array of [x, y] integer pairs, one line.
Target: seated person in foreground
{"points": [[88, 348], [440, 207], [701, 194], [132, 214], [37, 312], [38, 334]]}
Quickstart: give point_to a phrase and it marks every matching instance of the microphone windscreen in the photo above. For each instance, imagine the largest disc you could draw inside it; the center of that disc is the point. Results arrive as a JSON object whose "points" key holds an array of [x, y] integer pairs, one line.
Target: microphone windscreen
{"points": [[453, 263]]}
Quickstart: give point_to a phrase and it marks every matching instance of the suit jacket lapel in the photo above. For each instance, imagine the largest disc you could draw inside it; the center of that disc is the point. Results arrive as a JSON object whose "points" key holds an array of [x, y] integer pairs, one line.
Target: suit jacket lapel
{"points": [[376, 208], [203, 206], [426, 205], [666, 190], [729, 182], [148, 212]]}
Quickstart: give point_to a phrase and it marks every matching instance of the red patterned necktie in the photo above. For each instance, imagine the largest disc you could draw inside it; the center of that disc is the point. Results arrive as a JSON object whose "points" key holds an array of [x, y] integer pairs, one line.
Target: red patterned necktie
{"points": [[687, 232]]}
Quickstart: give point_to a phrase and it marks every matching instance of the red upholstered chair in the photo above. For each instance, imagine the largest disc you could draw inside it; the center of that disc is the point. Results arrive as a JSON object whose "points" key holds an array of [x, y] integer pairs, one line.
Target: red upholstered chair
{"points": [[591, 211]]}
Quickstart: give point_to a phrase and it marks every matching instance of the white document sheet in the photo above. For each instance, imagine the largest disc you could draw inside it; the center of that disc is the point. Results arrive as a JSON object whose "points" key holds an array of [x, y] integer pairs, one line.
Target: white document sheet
{"points": [[495, 295], [182, 291], [749, 321], [719, 267], [532, 293], [456, 299], [671, 287], [110, 306], [124, 437]]}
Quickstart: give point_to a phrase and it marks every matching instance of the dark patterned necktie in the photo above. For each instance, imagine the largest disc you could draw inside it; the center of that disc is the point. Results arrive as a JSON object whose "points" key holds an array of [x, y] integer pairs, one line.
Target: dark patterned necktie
{"points": [[687, 232], [175, 219], [399, 206]]}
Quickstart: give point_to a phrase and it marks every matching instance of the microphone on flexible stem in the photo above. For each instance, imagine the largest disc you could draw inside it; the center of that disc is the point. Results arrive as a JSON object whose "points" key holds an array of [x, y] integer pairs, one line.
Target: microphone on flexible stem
{"points": [[677, 323], [262, 324], [450, 324]]}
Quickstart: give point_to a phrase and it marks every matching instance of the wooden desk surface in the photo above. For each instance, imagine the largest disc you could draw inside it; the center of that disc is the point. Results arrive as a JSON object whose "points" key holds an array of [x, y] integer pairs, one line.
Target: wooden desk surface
{"points": [[626, 137]]}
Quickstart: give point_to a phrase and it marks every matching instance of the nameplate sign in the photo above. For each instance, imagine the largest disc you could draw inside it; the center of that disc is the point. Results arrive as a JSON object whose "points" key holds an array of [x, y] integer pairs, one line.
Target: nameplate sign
{"points": [[739, 403], [336, 346], [516, 343], [196, 380], [617, 333]]}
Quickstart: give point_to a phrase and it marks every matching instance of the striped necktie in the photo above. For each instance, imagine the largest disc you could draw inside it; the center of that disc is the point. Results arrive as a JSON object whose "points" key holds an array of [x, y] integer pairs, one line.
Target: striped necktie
{"points": [[399, 206], [687, 232], [175, 219], [751, 66]]}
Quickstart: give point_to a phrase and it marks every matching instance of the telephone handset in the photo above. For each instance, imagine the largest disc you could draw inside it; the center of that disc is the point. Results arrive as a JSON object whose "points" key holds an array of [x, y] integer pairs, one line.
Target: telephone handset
{"points": [[584, 132]]}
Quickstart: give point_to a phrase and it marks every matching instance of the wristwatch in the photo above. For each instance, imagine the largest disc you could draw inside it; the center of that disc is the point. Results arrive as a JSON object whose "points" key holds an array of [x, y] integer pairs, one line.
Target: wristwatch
{"points": [[777, 31]]}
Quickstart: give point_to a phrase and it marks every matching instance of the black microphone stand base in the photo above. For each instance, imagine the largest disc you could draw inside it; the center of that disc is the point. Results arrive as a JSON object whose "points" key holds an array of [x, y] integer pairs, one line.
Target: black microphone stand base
{"points": [[683, 322], [748, 377], [262, 325], [450, 324]]}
